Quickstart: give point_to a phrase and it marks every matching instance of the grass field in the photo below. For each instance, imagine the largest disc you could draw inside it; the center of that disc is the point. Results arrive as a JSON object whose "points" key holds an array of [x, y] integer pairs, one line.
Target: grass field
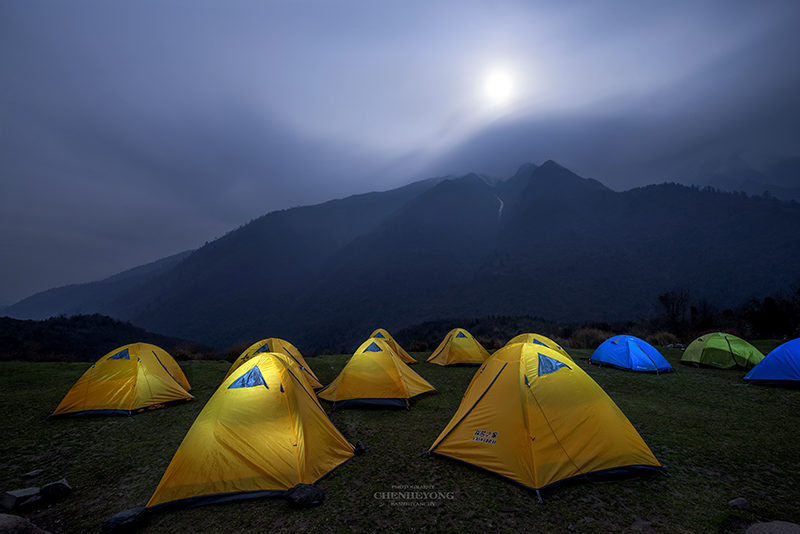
{"points": [[718, 438]]}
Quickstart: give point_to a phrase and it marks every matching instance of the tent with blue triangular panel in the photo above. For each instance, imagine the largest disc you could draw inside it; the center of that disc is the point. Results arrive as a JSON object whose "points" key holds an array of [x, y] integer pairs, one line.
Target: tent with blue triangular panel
{"points": [[401, 353], [261, 433], [538, 339], [459, 347], [631, 354], [374, 376], [129, 379], [276, 345], [535, 417], [781, 367]]}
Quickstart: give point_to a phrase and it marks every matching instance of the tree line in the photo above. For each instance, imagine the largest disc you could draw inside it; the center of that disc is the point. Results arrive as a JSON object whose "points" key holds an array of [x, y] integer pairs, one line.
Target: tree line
{"points": [[679, 319]]}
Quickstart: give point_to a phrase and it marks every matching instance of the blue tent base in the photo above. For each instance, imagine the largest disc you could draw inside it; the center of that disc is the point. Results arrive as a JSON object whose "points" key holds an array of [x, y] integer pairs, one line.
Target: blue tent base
{"points": [[131, 520], [379, 403], [217, 498], [222, 498], [699, 365], [162, 405], [91, 413], [606, 364], [614, 474], [102, 413], [372, 403]]}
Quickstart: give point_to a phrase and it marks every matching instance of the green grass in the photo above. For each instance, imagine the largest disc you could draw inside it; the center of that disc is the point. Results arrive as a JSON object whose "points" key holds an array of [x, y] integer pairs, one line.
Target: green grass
{"points": [[718, 438]]}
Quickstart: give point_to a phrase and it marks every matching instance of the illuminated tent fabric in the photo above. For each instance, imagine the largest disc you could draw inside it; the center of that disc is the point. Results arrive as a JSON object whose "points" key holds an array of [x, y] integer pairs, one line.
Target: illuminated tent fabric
{"points": [[538, 339], [630, 353], [459, 347], [274, 344], [535, 417], [374, 376], [294, 367], [781, 367], [261, 434], [725, 351], [131, 378], [380, 333]]}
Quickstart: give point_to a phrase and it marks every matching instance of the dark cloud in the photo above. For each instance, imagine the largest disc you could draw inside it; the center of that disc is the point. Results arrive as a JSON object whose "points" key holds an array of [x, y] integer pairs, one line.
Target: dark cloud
{"points": [[134, 130], [100, 199], [743, 103]]}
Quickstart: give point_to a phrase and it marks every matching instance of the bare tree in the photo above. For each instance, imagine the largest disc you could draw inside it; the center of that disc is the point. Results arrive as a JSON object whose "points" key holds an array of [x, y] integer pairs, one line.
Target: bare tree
{"points": [[676, 306]]}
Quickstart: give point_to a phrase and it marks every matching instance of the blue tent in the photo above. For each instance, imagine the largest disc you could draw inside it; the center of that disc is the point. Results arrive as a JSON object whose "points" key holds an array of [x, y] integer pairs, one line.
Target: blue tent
{"points": [[781, 367], [630, 353]]}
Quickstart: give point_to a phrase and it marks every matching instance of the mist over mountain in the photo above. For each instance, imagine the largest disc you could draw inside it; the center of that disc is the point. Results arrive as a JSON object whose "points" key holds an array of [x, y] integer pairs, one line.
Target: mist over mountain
{"points": [[733, 173], [544, 242]]}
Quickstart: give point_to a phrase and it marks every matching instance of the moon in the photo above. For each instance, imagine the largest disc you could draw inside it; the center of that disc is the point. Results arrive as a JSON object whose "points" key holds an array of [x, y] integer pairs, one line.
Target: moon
{"points": [[498, 87]]}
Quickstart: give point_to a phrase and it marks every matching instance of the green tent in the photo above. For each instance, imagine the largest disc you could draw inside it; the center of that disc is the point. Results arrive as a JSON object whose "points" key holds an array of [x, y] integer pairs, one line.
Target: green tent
{"points": [[725, 351]]}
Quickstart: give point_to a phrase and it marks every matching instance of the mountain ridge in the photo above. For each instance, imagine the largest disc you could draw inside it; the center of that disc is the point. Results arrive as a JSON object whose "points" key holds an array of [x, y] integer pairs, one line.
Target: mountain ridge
{"points": [[544, 242]]}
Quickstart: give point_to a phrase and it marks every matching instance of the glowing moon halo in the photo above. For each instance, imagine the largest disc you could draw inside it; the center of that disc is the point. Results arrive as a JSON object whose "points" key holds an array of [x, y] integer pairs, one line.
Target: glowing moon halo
{"points": [[498, 87]]}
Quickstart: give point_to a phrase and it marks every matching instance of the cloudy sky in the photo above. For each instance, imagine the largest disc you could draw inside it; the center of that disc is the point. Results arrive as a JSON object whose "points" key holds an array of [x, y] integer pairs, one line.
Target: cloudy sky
{"points": [[136, 129]]}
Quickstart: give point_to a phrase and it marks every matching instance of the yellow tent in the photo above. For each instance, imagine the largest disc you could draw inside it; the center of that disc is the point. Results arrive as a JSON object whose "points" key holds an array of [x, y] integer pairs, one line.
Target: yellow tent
{"points": [[261, 434], [459, 347], [538, 339], [274, 344], [131, 378], [536, 417], [374, 376], [380, 333]]}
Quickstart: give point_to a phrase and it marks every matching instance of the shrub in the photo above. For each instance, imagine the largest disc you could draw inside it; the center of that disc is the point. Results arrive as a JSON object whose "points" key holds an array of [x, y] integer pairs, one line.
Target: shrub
{"points": [[587, 338], [235, 351], [490, 343], [418, 346], [662, 339], [188, 351], [561, 341]]}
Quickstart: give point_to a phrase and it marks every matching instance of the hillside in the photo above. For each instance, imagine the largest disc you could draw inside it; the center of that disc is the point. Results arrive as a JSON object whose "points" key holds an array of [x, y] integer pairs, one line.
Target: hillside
{"points": [[103, 296], [80, 338], [544, 243]]}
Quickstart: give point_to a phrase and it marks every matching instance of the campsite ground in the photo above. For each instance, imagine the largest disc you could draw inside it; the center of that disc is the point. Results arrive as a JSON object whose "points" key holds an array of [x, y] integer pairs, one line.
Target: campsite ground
{"points": [[718, 437]]}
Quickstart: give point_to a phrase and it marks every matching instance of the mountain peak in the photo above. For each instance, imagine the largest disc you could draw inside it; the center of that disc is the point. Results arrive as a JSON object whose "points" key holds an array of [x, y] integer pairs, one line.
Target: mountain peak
{"points": [[481, 179], [552, 164], [524, 170], [553, 176], [460, 185]]}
